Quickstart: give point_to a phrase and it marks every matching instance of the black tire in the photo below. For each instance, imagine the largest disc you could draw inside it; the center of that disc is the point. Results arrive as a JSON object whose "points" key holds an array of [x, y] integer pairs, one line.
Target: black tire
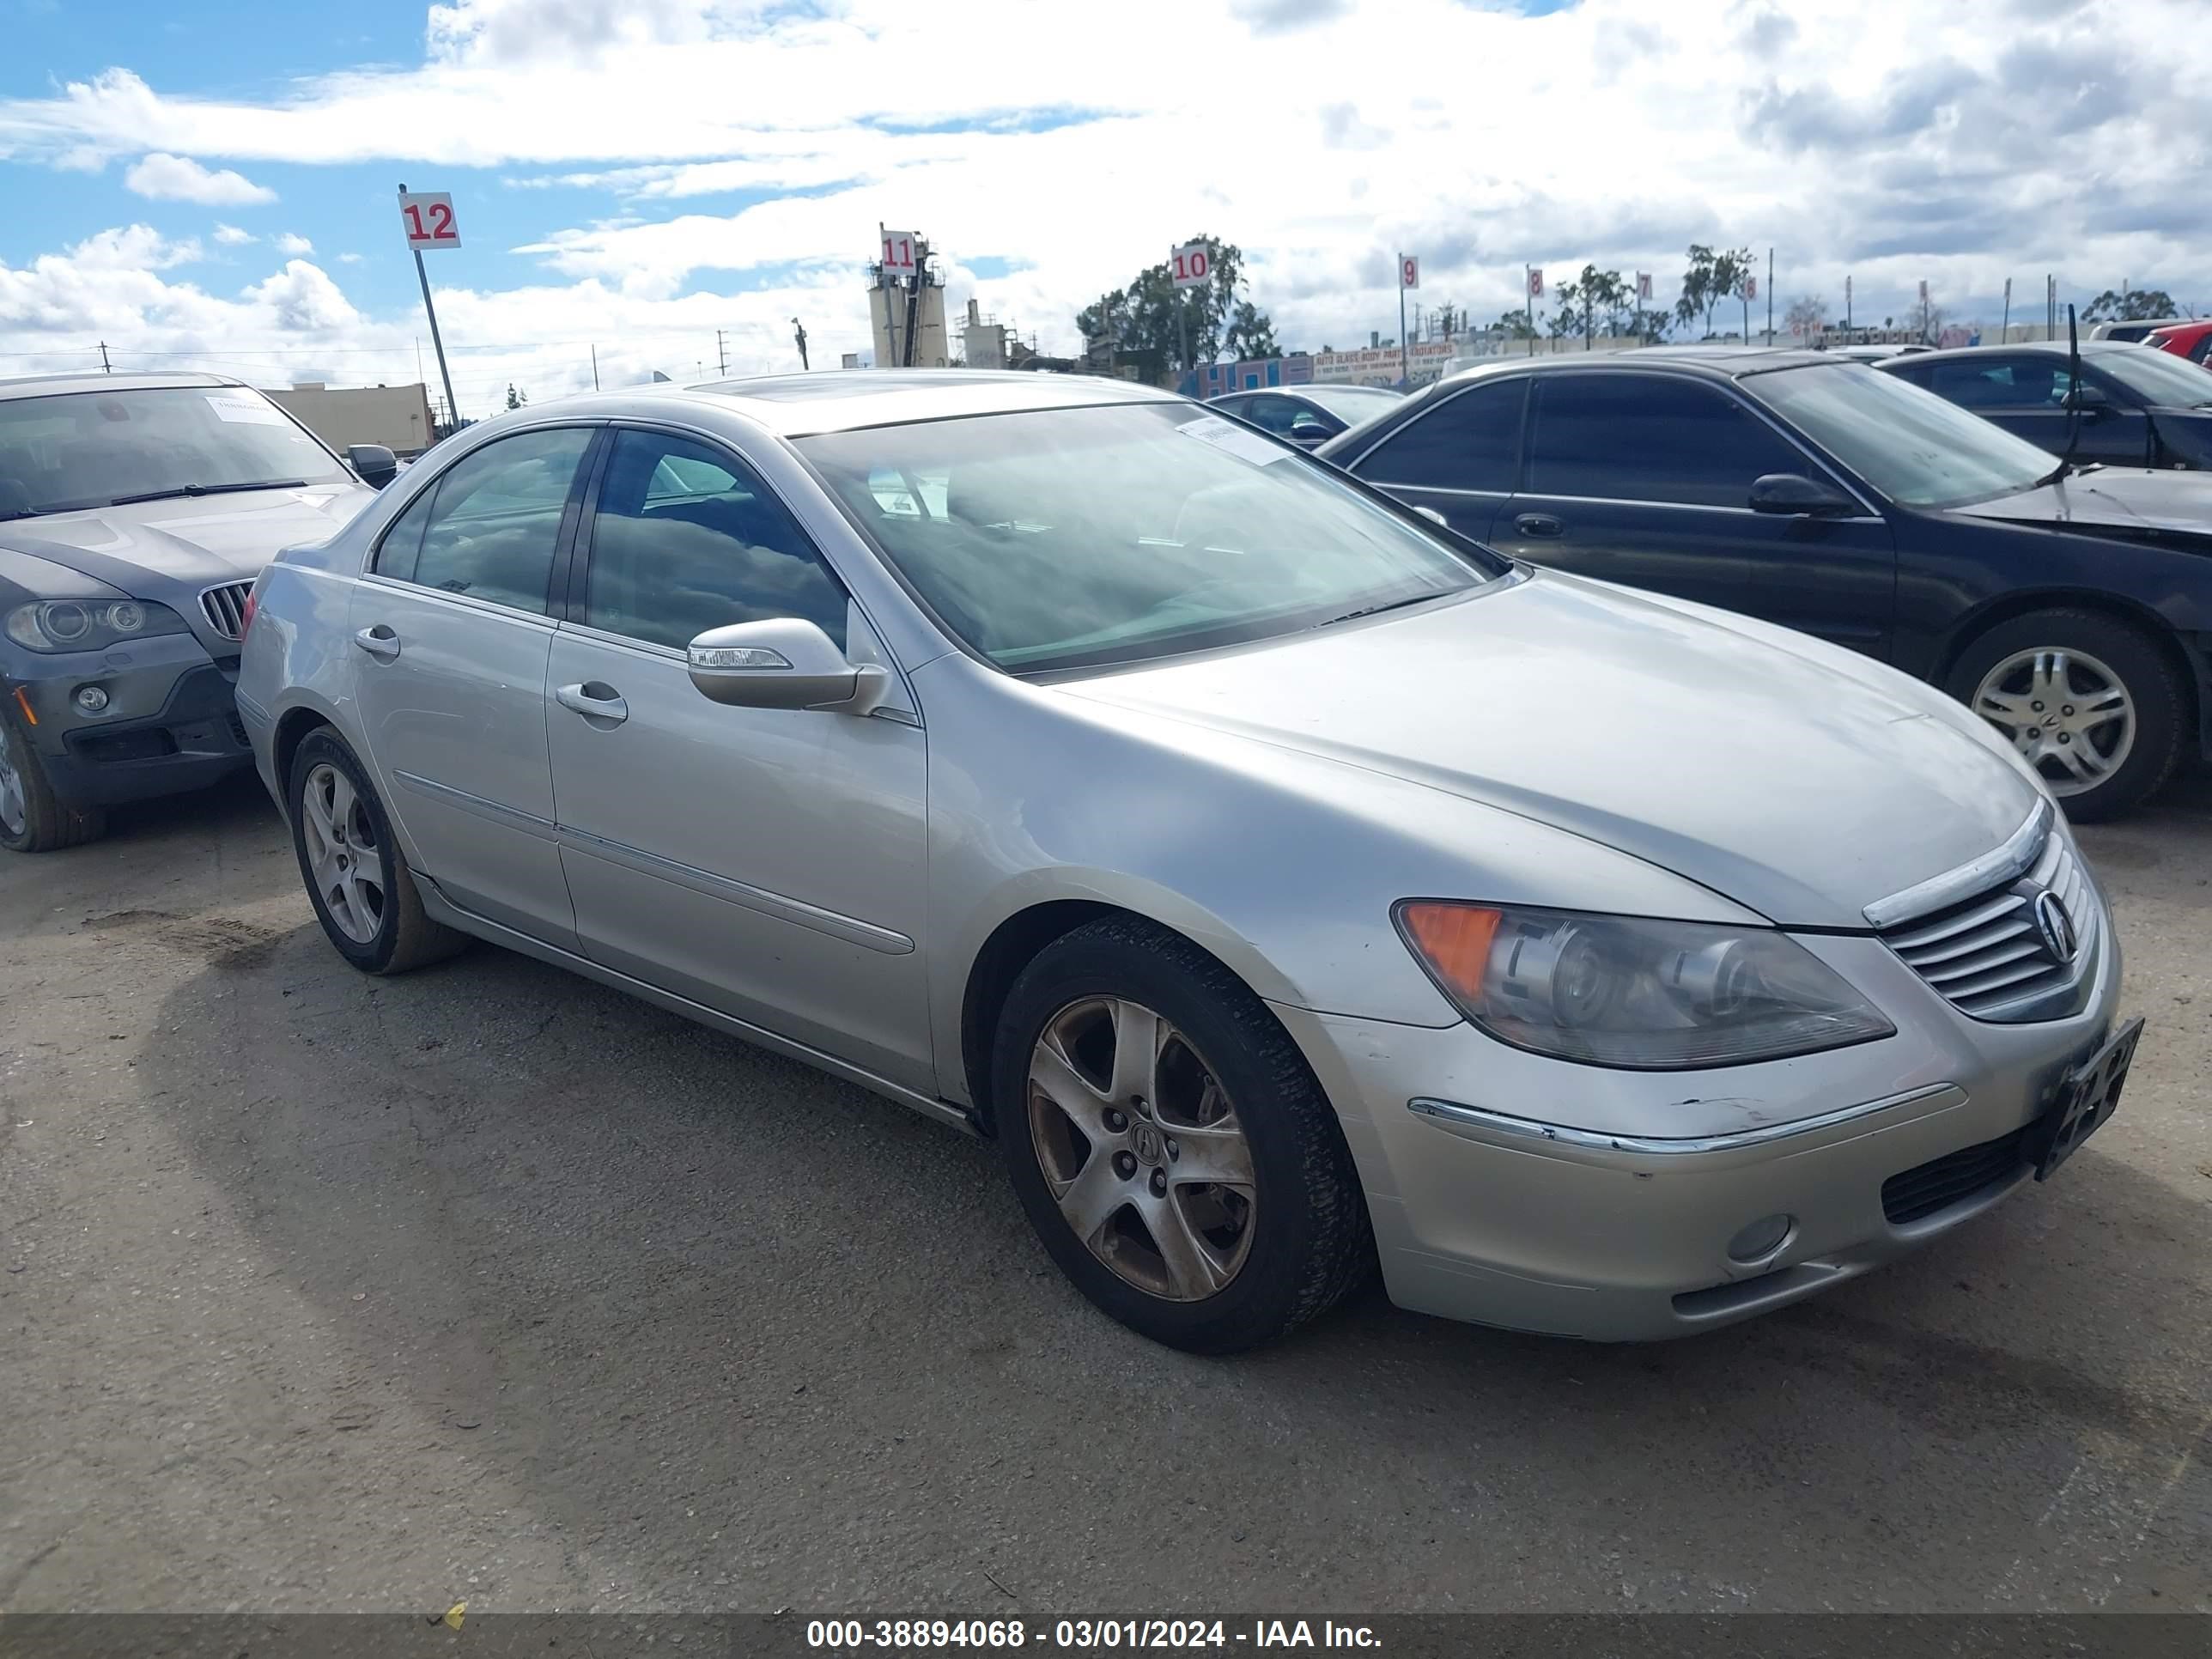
{"points": [[404, 938], [49, 824], [2153, 682], [1310, 1242]]}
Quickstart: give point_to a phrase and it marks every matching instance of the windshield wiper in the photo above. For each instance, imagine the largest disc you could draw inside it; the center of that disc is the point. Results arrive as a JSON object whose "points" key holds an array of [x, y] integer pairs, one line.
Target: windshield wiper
{"points": [[1371, 610], [2061, 470], [208, 489]]}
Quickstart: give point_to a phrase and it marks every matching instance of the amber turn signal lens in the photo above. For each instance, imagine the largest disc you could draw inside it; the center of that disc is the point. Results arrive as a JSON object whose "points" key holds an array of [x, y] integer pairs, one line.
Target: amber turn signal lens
{"points": [[1454, 940]]}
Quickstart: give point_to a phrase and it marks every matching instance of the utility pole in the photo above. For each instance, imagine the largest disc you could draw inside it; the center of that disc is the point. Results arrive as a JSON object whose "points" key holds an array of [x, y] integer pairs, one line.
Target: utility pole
{"points": [[595, 367], [1770, 296], [1405, 358], [104, 367], [721, 357]]}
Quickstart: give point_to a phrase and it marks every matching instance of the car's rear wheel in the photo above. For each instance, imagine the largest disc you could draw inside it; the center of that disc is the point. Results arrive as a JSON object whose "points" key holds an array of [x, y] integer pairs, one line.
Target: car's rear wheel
{"points": [[33, 819], [1169, 1145], [2089, 701], [363, 893]]}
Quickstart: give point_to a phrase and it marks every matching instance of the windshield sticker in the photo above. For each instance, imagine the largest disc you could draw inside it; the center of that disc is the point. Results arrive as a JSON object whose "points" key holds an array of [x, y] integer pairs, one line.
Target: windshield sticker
{"points": [[1228, 436], [230, 406]]}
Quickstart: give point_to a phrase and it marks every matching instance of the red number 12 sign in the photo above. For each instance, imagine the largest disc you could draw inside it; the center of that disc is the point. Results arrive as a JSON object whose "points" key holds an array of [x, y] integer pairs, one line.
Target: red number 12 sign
{"points": [[427, 217]]}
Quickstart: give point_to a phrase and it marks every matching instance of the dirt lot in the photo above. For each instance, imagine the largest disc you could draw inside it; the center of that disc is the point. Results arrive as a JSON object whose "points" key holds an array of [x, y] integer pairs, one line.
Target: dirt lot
{"points": [[321, 1292]]}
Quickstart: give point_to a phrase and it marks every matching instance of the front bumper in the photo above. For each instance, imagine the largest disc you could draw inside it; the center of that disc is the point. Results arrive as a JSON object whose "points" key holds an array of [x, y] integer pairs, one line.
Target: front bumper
{"points": [[171, 724], [1583, 1202]]}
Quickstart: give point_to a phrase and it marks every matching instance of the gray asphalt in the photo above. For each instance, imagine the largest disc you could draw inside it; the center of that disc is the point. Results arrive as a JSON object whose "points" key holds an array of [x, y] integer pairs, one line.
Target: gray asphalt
{"points": [[322, 1292]]}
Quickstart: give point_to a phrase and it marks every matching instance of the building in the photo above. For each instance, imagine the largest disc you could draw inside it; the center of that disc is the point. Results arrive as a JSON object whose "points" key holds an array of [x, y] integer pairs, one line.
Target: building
{"points": [[985, 342], [396, 417], [900, 308]]}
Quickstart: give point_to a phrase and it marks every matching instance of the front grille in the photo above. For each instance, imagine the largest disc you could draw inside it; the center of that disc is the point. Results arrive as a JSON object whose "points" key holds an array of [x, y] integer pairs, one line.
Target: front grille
{"points": [[225, 609], [1943, 1181], [1986, 952]]}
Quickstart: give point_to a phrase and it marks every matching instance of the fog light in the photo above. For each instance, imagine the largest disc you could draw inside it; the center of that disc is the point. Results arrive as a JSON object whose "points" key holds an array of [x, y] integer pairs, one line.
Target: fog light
{"points": [[91, 699], [1762, 1239]]}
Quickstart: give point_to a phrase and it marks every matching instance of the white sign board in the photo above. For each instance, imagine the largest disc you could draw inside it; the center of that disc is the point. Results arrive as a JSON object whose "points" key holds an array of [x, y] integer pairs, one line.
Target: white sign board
{"points": [[1535, 284], [1642, 285], [427, 217], [1409, 271], [1193, 265], [898, 252], [1751, 288]]}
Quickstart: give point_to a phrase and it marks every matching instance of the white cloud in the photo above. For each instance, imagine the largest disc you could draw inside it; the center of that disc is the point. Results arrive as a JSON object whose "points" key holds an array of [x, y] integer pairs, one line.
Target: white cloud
{"points": [[349, 259], [292, 242], [180, 179], [232, 236], [1883, 138]]}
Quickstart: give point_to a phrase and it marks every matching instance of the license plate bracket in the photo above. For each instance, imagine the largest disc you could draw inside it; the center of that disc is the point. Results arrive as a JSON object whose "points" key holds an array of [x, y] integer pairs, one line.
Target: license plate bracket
{"points": [[2087, 1095]]}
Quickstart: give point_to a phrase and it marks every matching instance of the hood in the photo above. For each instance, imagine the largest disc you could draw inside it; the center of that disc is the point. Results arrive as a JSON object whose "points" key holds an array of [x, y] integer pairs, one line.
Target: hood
{"points": [[1800, 788], [2133, 502], [172, 551]]}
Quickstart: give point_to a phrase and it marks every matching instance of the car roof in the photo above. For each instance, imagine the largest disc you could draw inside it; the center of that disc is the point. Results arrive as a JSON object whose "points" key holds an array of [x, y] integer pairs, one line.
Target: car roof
{"points": [[846, 400], [1715, 362], [2033, 348], [51, 385]]}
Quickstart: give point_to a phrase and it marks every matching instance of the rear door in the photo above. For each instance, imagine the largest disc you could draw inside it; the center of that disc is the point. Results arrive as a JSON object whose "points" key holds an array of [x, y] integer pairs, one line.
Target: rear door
{"points": [[1645, 479], [451, 632], [1458, 456]]}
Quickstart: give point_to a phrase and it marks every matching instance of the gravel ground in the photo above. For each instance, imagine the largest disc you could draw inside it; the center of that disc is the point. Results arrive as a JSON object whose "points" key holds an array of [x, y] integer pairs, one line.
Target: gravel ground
{"points": [[327, 1293]]}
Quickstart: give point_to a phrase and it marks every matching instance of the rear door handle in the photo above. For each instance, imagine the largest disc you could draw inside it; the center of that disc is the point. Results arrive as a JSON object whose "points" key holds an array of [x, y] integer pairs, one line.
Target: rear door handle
{"points": [[1539, 524], [594, 698], [378, 642]]}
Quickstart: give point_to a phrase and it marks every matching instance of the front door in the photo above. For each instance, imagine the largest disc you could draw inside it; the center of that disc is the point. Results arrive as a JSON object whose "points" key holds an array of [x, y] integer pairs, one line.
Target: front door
{"points": [[1645, 480], [2029, 394], [767, 863], [1458, 457], [450, 634]]}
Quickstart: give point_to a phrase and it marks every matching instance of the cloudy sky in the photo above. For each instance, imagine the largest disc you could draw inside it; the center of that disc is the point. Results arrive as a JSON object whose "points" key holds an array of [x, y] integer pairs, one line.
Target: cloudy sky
{"points": [[211, 184]]}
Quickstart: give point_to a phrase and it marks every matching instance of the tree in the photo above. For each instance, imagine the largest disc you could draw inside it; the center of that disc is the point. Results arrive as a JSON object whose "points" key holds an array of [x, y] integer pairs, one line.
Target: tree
{"points": [[1144, 321], [1712, 278], [515, 399], [2134, 305], [1807, 314], [1647, 325], [1516, 324]]}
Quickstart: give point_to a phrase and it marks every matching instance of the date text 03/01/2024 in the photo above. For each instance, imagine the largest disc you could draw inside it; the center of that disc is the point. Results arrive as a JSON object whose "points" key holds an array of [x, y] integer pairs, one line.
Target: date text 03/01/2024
{"points": [[1084, 1635]]}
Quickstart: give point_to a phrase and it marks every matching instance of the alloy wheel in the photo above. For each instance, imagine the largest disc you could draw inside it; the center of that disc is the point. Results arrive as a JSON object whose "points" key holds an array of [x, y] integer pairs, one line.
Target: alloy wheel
{"points": [[342, 853], [1141, 1149], [2069, 716], [14, 800]]}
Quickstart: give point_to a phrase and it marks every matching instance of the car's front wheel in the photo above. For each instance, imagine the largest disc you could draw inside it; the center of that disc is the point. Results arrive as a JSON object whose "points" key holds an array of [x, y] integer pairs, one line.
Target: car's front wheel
{"points": [[356, 876], [33, 819], [1169, 1145], [2090, 702]]}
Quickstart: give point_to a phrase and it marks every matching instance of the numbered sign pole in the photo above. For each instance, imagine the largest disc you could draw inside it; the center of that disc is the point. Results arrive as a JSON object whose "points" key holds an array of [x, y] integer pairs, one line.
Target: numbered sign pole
{"points": [[428, 222], [1190, 265]]}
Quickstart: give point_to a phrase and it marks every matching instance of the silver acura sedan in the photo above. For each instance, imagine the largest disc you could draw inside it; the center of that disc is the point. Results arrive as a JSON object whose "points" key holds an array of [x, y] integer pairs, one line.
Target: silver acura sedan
{"points": [[1289, 886]]}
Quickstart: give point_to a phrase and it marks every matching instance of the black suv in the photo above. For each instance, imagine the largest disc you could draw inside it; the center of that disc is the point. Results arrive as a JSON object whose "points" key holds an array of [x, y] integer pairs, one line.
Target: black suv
{"points": [[2071, 607]]}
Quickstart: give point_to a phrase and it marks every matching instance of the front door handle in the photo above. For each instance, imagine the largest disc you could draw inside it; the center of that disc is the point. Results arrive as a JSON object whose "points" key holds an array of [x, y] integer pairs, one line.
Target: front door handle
{"points": [[596, 699], [1539, 524], [378, 642]]}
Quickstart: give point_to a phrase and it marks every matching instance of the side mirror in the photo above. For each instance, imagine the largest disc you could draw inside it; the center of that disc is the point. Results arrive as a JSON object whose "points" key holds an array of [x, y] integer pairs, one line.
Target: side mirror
{"points": [[785, 662], [1794, 495], [2091, 400], [1310, 429], [376, 465]]}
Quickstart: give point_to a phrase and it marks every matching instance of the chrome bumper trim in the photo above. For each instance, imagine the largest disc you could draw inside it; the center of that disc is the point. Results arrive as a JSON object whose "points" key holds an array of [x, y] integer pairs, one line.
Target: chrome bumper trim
{"points": [[2015, 858], [1527, 1129]]}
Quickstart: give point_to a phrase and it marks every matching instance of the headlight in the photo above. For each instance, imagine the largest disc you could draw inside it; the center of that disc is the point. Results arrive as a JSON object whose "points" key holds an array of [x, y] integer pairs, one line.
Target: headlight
{"points": [[89, 624], [1628, 992]]}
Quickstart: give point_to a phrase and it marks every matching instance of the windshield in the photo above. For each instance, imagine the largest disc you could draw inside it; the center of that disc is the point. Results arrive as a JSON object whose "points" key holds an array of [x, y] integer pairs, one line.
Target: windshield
{"points": [[1908, 443], [2157, 377], [1072, 538], [1352, 404], [85, 449]]}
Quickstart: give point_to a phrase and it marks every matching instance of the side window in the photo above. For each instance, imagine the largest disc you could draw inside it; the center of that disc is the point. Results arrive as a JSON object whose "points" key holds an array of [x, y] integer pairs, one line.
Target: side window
{"points": [[1240, 407], [1273, 415], [1919, 374], [402, 540], [1642, 438], [685, 538], [1467, 441], [495, 520]]}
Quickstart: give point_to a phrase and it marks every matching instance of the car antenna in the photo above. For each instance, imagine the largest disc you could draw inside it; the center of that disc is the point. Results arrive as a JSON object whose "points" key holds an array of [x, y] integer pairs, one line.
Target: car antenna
{"points": [[2073, 391]]}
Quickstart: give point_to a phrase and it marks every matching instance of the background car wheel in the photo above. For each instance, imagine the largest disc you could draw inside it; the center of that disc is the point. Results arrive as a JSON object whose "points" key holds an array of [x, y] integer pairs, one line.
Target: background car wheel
{"points": [[363, 893], [2089, 701], [31, 820], [1173, 1151]]}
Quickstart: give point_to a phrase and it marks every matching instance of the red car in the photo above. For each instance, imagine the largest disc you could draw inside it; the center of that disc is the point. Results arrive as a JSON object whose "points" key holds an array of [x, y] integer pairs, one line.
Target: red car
{"points": [[2189, 340]]}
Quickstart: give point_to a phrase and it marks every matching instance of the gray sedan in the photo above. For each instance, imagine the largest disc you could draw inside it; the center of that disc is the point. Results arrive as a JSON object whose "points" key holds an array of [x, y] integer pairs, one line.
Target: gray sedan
{"points": [[1289, 886]]}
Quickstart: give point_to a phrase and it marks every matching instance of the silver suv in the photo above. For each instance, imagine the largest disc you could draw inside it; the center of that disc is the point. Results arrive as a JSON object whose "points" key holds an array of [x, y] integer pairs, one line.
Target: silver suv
{"points": [[135, 512]]}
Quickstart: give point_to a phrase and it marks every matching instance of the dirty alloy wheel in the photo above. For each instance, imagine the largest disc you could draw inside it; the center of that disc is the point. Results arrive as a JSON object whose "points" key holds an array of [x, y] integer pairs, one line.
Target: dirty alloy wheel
{"points": [[1169, 1145], [356, 876], [33, 819]]}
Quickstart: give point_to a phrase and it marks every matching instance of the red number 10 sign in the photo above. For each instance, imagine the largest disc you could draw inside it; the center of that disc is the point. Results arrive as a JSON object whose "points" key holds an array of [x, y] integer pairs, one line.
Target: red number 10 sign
{"points": [[1193, 265], [427, 216]]}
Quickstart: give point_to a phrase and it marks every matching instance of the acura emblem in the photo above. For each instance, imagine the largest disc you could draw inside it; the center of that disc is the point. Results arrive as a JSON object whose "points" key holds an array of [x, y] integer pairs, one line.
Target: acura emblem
{"points": [[2056, 926]]}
